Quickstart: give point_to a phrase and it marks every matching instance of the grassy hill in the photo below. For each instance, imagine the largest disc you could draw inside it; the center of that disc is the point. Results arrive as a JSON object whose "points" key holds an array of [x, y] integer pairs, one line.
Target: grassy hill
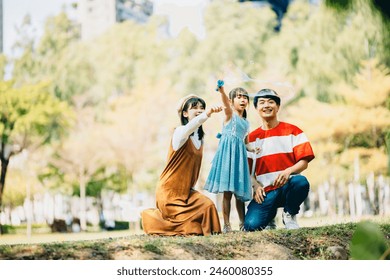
{"points": [[309, 243]]}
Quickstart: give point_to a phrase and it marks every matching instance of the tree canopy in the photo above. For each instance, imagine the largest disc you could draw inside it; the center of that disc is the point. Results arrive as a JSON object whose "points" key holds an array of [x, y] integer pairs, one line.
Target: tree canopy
{"points": [[124, 85], [30, 117]]}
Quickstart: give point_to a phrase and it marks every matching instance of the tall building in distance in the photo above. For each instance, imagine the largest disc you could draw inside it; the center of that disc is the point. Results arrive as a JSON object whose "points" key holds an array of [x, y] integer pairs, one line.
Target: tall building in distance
{"points": [[96, 16], [137, 10], [182, 14]]}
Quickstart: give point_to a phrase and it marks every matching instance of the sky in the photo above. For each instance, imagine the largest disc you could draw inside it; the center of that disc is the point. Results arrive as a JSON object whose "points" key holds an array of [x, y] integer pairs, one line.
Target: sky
{"points": [[15, 10], [181, 13]]}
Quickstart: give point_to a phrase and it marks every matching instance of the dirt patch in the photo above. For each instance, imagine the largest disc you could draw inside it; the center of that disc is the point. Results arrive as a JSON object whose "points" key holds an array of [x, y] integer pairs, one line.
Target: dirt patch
{"points": [[195, 249], [259, 251]]}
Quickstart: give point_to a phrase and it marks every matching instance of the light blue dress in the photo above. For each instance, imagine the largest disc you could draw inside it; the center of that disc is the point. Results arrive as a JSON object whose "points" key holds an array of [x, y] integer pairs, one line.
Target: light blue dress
{"points": [[230, 170]]}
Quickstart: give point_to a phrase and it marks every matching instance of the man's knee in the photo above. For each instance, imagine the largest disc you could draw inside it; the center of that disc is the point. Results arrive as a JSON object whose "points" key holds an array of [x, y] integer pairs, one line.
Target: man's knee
{"points": [[300, 183], [253, 223], [296, 194]]}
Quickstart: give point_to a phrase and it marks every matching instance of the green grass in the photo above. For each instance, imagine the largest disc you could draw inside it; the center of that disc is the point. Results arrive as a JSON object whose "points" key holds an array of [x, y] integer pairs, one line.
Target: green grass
{"points": [[310, 243], [154, 246]]}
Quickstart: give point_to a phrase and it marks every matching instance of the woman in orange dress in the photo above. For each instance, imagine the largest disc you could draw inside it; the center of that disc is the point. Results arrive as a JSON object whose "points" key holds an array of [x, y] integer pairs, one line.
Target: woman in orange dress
{"points": [[181, 210]]}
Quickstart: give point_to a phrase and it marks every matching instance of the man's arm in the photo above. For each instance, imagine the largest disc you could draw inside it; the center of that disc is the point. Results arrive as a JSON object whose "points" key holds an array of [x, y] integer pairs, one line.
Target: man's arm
{"points": [[258, 190], [285, 174]]}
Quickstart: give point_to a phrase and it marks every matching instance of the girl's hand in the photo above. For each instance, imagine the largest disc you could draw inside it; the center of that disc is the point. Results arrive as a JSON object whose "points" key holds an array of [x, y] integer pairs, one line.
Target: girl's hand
{"points": [[222, 90], [256, 150], [220, 84], [252, 148]]}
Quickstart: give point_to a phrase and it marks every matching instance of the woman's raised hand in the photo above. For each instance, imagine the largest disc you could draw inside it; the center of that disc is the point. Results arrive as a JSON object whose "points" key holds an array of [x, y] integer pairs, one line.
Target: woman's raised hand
{"points": [[214, 109]]}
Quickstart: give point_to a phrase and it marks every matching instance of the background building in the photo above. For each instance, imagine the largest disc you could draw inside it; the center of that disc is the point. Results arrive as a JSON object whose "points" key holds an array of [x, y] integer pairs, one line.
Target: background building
{"points": [[96, 16]]}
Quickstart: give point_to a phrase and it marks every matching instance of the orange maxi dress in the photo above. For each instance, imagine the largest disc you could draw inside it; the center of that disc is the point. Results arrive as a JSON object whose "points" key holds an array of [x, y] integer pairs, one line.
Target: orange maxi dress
{"points": [[181, 210]]}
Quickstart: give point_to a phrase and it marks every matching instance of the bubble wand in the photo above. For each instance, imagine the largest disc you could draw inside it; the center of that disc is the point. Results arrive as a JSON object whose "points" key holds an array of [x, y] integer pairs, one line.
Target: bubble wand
{"points": [[220, 84]]}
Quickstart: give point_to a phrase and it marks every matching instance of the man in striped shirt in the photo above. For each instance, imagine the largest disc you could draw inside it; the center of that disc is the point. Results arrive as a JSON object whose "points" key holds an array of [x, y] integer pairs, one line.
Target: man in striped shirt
{"points": [[277, 182]]}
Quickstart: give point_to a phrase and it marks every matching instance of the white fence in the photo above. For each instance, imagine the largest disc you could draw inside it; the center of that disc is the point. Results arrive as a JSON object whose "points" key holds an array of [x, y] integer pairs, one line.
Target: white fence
{"points": [[329, 199], [48, 208], [352, 198]]}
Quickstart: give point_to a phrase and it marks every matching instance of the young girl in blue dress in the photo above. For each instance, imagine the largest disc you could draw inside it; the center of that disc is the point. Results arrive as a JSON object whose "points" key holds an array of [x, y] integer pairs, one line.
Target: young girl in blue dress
{"points": [[229, 172]]}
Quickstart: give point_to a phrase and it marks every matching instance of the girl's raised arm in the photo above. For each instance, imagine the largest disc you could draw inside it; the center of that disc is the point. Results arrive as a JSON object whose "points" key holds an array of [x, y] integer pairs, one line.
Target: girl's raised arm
{"points": [[226, 102]]}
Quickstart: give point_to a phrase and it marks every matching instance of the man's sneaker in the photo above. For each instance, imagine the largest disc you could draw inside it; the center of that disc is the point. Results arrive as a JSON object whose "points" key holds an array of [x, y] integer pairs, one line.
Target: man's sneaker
{"points": [[289, 221], [271, 225], [227, 228], [241, 227]]}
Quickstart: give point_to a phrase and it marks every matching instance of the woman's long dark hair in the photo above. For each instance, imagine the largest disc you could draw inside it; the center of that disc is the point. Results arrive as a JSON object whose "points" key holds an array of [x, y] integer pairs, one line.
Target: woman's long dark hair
{"points": [[234, 92], [192, 102]]}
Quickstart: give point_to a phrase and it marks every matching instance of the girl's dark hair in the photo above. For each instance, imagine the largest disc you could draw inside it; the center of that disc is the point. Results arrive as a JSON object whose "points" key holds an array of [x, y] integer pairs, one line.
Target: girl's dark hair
{"points": [[234, 92], [192, 102]]}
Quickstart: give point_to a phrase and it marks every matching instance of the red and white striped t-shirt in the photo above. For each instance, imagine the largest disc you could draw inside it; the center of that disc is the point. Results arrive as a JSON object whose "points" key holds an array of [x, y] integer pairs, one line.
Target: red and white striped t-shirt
{"points": [[281, 147]]}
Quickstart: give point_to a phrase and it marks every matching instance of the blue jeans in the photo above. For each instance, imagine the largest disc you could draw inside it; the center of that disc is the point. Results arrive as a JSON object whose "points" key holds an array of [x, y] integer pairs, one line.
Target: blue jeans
{"points": [[289, 196]]}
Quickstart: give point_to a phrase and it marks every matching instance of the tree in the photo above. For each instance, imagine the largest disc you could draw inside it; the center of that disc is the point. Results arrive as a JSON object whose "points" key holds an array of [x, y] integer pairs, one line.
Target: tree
{"points": [[136, 139], [52, 58], [356, 124], [278, 6], [78, 159], [380, 7], [29, 118], [319, 48]]}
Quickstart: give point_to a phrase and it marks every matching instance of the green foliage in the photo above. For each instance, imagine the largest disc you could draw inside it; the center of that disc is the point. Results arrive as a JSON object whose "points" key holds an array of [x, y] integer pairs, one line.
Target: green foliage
{"points": [[15, 193], [235, 39], [30, 115], [58, 34], [339, 4], [52, 177], [104, 179], [368, 243], [3, 63], [376, 8], [73, 75], [323, 51], [354, 124], [43, 60]]}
